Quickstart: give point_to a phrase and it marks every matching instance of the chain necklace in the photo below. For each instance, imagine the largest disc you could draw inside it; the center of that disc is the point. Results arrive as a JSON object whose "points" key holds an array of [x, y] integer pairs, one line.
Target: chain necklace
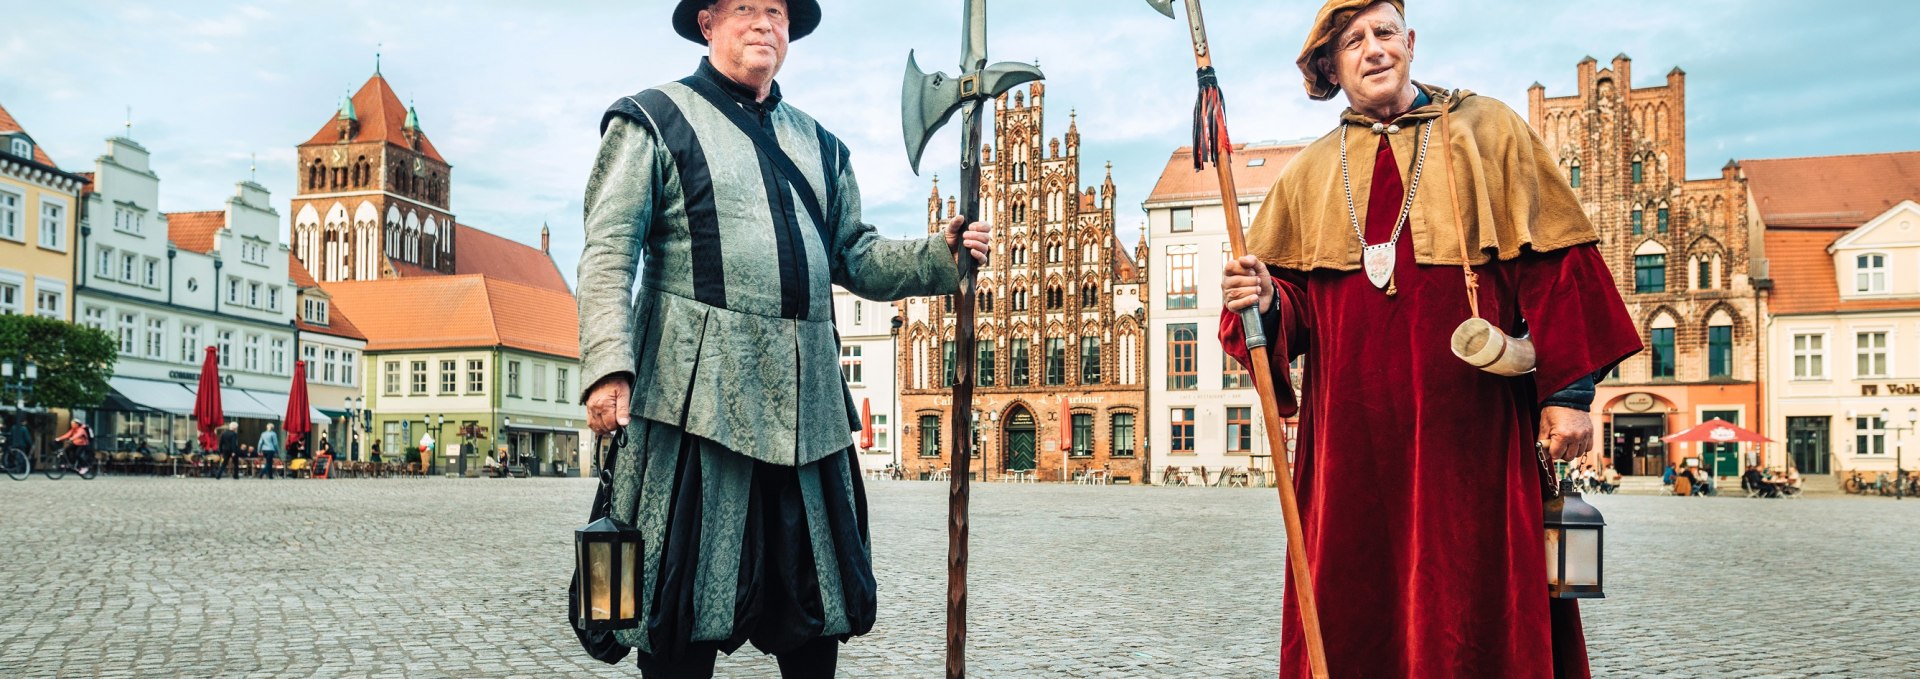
{"points": [[1378, 260]]}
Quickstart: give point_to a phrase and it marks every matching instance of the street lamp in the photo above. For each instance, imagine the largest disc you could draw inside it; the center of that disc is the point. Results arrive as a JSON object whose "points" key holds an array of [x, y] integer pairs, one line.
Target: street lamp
{"points": [[439, 421], [356, 411], [506, 438], [894, 437], [21, 389], [1899, 475]]}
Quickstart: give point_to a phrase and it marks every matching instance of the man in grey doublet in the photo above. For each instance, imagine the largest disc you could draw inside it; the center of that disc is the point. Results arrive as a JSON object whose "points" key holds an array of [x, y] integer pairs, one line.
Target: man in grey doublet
{"points": [[718, 218]]}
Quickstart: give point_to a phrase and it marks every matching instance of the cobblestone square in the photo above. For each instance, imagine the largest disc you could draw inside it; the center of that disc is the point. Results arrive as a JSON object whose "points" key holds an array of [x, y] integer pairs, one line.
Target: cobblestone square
{"points": [[156, 577]]}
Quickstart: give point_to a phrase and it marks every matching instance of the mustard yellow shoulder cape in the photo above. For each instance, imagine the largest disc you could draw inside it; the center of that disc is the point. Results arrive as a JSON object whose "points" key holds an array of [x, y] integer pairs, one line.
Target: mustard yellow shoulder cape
{"points": [[1513, 197]]}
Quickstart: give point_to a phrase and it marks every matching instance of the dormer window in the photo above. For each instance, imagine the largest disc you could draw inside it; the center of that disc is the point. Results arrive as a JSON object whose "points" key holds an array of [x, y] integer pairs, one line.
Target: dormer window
{"points": [[22, 147], [1870, 273], [315, 311]]}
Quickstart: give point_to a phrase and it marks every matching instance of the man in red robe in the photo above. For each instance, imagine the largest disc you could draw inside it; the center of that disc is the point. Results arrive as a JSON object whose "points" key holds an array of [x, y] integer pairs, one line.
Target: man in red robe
{"points": [[1419, 482]]}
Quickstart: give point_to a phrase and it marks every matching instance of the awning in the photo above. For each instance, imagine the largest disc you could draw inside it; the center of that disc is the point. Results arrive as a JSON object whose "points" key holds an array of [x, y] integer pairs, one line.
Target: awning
{"points": [[278, 402], [545, 428], [335, 414], [236, 402], [166, 397]]}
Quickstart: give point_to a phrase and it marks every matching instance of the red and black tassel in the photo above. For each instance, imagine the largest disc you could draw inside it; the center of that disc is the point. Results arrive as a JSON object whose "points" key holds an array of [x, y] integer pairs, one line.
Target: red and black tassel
{"points": [[1210, 140]]}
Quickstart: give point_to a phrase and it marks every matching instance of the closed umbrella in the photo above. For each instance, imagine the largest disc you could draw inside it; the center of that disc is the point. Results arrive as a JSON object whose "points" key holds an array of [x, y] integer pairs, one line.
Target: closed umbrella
{"points": [[207, 414], [866, 424], [299, 418], [1066, 426], [1066, 438]]}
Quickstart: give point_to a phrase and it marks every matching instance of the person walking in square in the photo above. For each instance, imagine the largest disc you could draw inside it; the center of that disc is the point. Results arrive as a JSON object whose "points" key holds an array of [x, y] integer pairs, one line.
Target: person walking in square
{"points": [[718, 219], [229, 447], [268, 448]]}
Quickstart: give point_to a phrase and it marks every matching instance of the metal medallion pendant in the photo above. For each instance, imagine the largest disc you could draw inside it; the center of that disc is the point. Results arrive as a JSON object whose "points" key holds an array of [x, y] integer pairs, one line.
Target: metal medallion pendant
{"points": [[1378, 260]]}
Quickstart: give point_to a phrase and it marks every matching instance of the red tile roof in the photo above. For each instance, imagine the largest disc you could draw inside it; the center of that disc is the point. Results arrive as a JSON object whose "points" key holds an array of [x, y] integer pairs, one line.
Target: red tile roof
{"points": [[1124, 268], [480, 252], [381, 117], [1804, 280], [445, 312], [1179, 183], [338, 324], [8, 124], [195, 230], [1831, 191], [408, 270]]}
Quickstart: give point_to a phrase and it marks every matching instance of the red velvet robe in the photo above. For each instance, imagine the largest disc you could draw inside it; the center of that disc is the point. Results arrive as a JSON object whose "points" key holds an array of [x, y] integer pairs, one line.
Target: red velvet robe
{"points": [[1419, 487]]}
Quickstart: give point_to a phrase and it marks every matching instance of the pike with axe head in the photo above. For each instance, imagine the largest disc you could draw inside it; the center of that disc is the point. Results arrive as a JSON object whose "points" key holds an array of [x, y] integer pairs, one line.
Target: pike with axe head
{"points": [[1210, 144], [926, 102]]}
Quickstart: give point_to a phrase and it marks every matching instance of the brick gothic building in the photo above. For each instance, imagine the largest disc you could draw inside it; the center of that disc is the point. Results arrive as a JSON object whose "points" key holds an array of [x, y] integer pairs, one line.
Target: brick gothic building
{"points": [[1060, 317], [1679, 251], [372, 196]]}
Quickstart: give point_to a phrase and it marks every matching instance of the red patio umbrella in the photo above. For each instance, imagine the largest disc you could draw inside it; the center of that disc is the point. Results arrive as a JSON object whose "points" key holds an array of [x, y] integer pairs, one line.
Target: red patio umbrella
{"points": [[866, 424], [1716, 430], [207, 414], [1066, 425], [299, 418]]}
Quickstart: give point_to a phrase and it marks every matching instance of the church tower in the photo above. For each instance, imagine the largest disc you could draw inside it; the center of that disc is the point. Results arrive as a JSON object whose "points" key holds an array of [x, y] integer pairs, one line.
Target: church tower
{"points": [[372, 193]]}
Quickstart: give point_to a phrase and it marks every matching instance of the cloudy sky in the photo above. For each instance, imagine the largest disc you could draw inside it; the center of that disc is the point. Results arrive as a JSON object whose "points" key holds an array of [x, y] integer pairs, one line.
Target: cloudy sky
{"points": [[511, 92]]}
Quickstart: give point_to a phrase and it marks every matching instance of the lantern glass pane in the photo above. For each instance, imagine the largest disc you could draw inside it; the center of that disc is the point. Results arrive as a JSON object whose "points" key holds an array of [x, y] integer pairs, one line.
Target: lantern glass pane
{"points": [[1553, 557], [629, 568], [1583, 557], [599, 580]]}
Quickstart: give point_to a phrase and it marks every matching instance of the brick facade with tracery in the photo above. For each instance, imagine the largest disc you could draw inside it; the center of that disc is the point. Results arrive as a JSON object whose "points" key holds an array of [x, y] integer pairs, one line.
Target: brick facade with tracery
{"points": [[1679, 251], [1059, 317]]}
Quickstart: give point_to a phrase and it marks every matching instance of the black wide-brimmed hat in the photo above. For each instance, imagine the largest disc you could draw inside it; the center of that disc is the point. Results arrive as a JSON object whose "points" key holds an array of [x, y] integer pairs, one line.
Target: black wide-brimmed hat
{"points": [[803, 17]]}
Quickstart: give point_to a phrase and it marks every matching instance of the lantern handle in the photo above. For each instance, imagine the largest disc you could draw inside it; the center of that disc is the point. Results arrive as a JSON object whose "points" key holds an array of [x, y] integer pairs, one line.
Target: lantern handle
{"points": [[609, 447], [1549, 486]]}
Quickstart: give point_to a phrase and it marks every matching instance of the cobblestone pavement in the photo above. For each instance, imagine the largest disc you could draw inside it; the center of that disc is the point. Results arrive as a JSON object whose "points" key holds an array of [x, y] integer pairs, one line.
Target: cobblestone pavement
{"points": [[138, 577]]}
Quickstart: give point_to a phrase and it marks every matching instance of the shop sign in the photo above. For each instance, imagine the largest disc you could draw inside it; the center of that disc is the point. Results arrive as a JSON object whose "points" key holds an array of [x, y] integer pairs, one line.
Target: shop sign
{"points": [[1908, 389], [1638, 402], [184, 376]]}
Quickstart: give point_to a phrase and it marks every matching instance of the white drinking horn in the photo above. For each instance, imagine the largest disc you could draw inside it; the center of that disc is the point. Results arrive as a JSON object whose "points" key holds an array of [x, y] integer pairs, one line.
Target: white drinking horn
{"points": [[1484, 346]]}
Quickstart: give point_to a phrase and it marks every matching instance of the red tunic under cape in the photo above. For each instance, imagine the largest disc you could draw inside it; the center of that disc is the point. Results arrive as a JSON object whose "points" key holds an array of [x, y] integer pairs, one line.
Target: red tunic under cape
{"points": [[1419, 488]]}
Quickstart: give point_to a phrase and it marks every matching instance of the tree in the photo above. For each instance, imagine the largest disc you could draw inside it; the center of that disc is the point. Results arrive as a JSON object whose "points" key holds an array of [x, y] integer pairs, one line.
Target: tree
{"points": [[74, 360]]}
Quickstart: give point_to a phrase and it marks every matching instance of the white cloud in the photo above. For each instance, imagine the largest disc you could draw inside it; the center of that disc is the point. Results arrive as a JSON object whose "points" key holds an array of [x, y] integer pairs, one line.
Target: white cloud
{"points": [[512, 92]]}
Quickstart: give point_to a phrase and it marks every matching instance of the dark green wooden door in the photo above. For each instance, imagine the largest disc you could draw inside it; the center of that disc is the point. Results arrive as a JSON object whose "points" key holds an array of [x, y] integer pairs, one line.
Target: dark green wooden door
{"points": [[1020, 434]]}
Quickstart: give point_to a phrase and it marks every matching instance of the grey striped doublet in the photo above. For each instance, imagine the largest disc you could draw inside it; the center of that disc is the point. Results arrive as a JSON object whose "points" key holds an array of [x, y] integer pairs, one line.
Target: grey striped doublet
{"points": [[708, 270]]}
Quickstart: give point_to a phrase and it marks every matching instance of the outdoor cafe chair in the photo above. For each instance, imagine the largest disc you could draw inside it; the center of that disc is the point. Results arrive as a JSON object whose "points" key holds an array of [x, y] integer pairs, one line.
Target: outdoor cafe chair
{"points": [[942, 474], [1099, 477]]}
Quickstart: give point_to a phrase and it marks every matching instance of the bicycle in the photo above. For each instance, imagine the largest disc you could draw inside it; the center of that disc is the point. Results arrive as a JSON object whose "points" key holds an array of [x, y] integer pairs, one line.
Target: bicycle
{"points": [[79, 460], [17, 464]]}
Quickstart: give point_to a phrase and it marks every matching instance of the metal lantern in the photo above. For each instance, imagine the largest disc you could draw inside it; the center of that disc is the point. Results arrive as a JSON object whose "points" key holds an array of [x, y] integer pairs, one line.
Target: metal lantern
{"points": [[608, 557], [1573, 546]]}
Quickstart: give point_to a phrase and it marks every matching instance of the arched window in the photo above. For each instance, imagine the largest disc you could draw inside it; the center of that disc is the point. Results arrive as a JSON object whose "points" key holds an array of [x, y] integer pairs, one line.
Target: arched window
{"points": [[1660, 218], [1020, 253], [1639, 221], [1719, 345], [1019, 300], [1660, 347], [1088, 294], [1054, 297], [1573, 178], [1650, 268], [984, 301], [1703, 275], [1639, 170]]}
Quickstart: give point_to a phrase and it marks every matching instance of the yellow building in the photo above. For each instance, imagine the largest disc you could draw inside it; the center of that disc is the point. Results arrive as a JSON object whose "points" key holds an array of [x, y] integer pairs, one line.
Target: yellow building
{"points": [[39, 206]]}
